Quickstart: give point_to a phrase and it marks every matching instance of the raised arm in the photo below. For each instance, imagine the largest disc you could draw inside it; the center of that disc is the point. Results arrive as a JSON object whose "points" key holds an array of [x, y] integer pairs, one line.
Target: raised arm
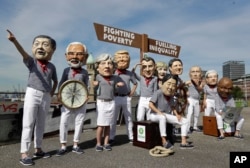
{"points": [[13, 39]]}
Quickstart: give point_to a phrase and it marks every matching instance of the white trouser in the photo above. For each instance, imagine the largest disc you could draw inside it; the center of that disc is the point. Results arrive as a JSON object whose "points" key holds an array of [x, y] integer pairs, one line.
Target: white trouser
{"points": [[210, 107], [162, 120], [143, 108], [124, 104], [79, 115], [35, 109], [193, 108], [219, 120]]}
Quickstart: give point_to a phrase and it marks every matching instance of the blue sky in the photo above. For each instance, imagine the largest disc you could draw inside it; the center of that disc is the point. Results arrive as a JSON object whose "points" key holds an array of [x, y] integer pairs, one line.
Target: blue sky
{"points": [[209, 32]]}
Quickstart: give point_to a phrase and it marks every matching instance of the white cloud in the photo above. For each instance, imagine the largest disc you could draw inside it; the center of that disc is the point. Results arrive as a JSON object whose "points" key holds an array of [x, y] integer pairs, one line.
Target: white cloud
{"points": [[209, 32]]}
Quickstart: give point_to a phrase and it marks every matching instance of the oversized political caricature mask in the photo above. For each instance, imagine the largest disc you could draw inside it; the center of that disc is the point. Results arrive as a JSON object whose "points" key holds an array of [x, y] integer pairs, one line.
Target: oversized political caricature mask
{"points": [[148, 67], [175, 66], [161, 69], [122, 59], [76, 54], [224, 87], [43, 47], [104, 65], [195, 74], [211, 77], [169, 85]]}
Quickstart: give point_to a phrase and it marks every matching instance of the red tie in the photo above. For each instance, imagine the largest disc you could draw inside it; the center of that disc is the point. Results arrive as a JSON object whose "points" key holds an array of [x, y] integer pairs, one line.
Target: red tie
{"points": [[76, 71], [148, 80], [224, 99], [121, 71], [107, 78], [43, 64], [167, 98]]}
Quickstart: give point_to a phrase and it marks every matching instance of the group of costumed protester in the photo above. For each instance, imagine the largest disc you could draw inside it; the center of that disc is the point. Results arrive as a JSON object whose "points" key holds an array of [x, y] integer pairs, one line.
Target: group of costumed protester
{"points": [[164, 97]]}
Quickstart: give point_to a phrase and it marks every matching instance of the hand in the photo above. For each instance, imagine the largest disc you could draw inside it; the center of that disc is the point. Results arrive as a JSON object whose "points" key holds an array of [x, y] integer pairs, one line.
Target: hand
{"points": [[95, 83], [59, 97], [133, 69], [11, 36], [120, 84]]}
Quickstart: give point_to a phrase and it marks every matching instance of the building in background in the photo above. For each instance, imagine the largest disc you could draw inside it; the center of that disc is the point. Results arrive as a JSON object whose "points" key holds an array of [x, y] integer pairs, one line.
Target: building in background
{"points": [[92, 74], [244, 83], [233, 69]]}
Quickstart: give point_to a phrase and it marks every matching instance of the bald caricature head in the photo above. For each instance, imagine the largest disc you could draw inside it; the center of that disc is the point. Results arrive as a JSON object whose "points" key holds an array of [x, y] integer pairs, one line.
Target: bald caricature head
{"points": [[224, 87]]}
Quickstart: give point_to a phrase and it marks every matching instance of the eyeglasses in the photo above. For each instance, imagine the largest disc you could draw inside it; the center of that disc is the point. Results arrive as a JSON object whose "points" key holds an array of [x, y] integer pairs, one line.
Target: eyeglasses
{"points": [[76, 53]]}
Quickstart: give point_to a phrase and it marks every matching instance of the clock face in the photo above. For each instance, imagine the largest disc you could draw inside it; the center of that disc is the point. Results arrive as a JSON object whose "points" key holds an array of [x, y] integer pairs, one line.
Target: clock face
{"points": [[73, 94]]}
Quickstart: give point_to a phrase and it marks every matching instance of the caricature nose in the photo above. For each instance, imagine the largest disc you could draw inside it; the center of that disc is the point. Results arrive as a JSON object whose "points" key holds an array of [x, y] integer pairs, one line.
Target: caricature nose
{"points": [[40, 45]]}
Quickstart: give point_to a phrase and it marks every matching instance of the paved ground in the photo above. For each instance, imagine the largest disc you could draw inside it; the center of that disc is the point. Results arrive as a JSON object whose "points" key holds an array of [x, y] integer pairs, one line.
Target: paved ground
{"points": [[208, 152]]}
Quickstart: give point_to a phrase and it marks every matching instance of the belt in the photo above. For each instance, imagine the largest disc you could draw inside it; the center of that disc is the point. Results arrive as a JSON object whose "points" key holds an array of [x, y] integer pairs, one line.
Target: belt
{"points": [[105, 100], [121, 95]]}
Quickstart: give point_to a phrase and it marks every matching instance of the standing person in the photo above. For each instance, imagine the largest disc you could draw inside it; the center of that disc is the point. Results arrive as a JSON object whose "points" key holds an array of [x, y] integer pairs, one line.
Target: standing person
{"points": [[195, 87], [162, 105], [161, 71], [106, 83], [148, 85], [38, 93], [210, 91], [76, 56], [123, 94], [223, 100]]}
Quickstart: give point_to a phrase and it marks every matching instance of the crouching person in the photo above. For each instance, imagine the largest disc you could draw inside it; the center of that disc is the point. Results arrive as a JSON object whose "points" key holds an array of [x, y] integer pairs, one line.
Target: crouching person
{"points": [[161, 105]]}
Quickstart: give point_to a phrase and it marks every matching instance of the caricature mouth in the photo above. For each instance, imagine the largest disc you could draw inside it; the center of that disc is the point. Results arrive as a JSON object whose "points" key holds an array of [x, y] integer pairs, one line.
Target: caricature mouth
{"points": [[41, 52], [74, 61], [106, 70]]}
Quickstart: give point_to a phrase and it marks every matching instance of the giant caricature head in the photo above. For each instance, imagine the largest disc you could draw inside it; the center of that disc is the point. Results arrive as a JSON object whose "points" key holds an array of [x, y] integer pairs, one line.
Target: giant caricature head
{"points": [[195, 74], [211, 77], [169, 84], [43, 47], [175, 66], [104, 65], [148, 67], [76, 54], [161, 69], [224, 87], [122, 59]]}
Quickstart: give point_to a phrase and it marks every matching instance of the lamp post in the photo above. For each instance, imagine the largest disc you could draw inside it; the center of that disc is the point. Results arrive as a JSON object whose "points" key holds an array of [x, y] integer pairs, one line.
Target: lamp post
{"points": [[245, 85]]}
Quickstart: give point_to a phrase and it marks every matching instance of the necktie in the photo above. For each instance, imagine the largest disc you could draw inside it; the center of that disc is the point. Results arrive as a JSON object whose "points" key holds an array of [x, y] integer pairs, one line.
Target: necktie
{"points": [[76, 71], [224, 99], [121, 71], [107, 78], [167, 98], [147, 80], [43, 64]]}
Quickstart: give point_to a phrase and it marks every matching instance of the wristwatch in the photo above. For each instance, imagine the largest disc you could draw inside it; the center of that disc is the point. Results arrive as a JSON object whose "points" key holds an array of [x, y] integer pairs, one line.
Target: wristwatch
{"points": [[73, 94]]}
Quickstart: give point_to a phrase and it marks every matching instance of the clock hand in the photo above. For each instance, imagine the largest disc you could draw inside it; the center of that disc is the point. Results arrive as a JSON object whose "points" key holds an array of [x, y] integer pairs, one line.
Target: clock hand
{"points": [[73, 94]]}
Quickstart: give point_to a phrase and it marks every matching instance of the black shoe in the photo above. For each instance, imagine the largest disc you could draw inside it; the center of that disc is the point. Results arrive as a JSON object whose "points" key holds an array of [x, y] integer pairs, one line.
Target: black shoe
{"points": [[77, 150], [99, 148], [221, 138], [168, 145], [186, 146], [197, 130], [107, 147], [27, 161], [41, 155], [61, 152]]}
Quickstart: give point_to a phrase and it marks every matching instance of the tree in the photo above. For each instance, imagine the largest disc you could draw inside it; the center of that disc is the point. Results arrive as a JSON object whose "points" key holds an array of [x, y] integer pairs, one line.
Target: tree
{"points": [[237, 93]]}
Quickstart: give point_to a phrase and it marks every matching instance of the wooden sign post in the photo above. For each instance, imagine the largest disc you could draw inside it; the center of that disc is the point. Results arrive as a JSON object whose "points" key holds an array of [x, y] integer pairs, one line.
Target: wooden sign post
{"points": [[127, 38]]}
